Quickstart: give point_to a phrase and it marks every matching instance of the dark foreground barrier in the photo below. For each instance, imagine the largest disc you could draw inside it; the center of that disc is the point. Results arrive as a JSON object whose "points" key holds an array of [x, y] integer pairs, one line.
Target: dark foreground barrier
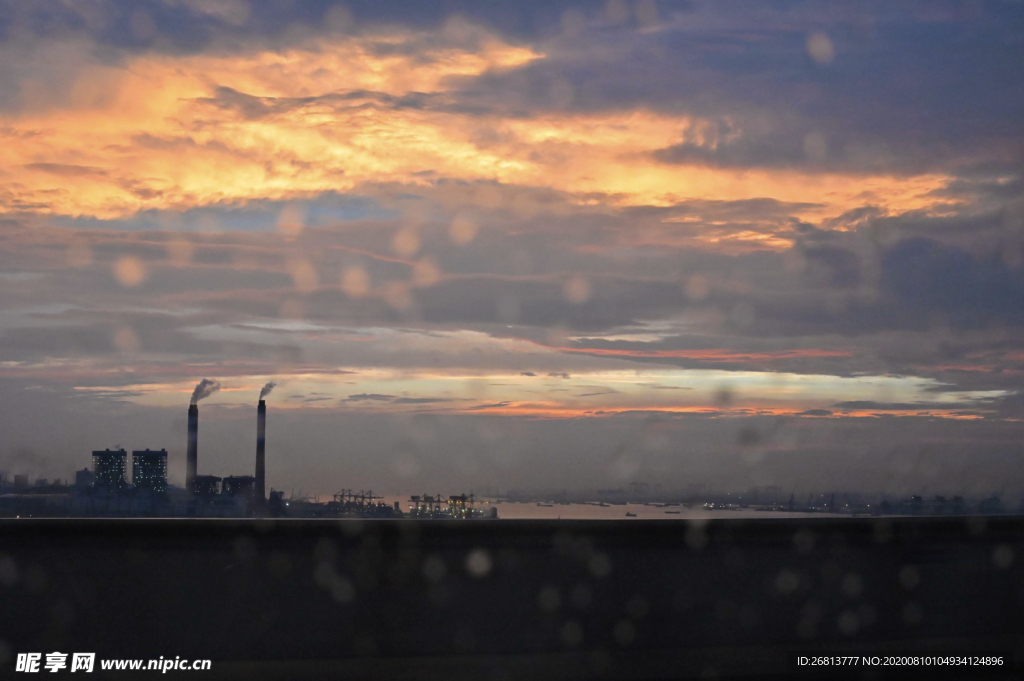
{"points": [[514, 599]]}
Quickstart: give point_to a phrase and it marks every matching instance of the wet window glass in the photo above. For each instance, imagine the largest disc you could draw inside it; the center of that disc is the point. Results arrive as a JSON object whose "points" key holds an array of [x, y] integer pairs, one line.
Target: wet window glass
{"points": [[662, 264]]}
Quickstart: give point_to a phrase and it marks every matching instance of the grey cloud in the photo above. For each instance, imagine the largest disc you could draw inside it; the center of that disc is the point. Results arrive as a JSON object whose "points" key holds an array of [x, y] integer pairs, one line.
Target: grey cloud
{"points": [[971, 291], [105, 334], [496, 405], [832, 266], [895, 406], [852, 289], [614, 302], [66, 170], [764, 95], [815, 412], [253, 107], [368, 397], [420, 400], [851, 285]]}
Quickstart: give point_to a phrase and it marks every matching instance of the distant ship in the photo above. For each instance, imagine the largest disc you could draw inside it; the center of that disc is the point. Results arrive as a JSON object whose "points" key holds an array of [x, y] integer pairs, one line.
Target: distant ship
{"points": [[630, 515]]}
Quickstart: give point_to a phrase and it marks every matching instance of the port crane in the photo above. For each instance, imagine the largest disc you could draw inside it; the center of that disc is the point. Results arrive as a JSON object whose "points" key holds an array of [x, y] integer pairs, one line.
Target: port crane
{"points": [[362, 497]]}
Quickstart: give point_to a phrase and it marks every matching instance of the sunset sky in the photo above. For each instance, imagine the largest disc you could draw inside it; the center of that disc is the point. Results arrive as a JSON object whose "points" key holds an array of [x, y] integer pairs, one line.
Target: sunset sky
{"points": [[534, 245]]}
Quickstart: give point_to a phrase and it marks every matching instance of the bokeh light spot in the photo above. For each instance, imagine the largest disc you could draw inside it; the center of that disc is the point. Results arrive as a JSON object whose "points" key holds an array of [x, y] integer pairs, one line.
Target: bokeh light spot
{"points": [[820, 48], [129, 271]]}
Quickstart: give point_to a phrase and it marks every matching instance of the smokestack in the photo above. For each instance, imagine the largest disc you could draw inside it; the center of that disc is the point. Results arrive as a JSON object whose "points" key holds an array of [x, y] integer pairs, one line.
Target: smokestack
{"points": [[261, 437], [192, 458], [205, 388], [266, 390]]}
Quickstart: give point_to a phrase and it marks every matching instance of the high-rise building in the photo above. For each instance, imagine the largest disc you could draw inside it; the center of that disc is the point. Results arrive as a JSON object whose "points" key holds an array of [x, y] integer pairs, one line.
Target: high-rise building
{"points": [[149, 469], [108, 466]]}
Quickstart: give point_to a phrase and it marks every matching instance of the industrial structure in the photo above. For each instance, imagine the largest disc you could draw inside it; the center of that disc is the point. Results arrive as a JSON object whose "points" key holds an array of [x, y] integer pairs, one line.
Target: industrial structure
{"points": [[238, 486], [84, 478], [261, 447], [231, 495], [105, 492], [458, 506], [205, 486], [192, 453], [109, 466], [149, 470]]}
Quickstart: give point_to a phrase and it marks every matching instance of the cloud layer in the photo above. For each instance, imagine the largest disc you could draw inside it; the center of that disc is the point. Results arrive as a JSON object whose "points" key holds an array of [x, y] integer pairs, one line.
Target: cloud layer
{"points": [[773, 220]]}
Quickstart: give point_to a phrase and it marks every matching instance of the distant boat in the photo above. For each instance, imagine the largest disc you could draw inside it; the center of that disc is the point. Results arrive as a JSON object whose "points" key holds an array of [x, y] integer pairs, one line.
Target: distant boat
{"points": [[545, 505], [630, 515], [673, 512]]}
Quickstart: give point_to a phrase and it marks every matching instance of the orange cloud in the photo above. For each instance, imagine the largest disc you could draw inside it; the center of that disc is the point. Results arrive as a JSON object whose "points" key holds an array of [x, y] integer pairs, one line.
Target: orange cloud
{"points": [[153, 134], [172, 132]]}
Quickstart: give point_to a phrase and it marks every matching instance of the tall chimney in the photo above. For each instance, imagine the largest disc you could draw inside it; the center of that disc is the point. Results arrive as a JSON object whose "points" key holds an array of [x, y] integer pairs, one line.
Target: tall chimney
{"points": [[261, 444], [192, 458]]}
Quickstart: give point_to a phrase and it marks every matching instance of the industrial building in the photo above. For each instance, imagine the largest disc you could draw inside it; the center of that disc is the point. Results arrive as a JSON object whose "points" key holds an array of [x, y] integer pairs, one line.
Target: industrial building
{"points": [[209, 492], [84, 478], [105, 492], [149, 469], [108, 466], [238, 486], [205, 485]]}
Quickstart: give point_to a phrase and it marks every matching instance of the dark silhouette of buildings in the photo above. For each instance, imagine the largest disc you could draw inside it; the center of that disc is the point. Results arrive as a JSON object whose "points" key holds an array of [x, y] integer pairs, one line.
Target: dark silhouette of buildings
{"points": [[149, 469], [84, 478], [109, 466], [238, 485], [205, 485]]}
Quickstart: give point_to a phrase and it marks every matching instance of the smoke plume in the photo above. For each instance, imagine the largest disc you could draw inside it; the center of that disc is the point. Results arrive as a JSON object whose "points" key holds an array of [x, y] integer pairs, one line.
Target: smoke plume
{"points": [[267, 388], [205, 388]]}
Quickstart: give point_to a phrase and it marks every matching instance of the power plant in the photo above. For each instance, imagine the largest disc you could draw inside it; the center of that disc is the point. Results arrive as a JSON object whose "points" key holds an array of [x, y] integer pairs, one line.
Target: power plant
{"points": [[105, 491], [210, 494]]}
